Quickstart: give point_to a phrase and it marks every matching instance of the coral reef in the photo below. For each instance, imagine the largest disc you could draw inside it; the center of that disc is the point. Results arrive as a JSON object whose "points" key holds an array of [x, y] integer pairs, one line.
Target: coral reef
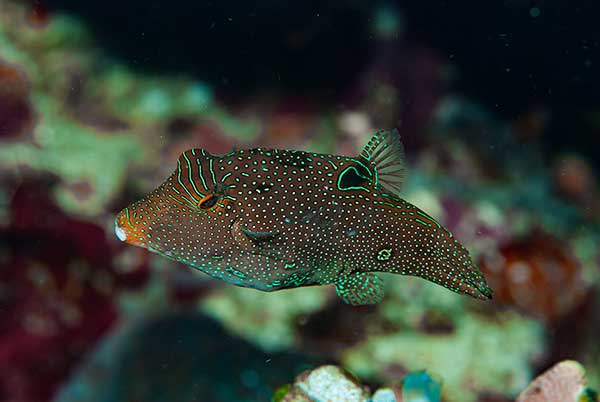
{"points": [[538, 274], [91, 166], [16, 113], [564, 382], [491, 352], [268, 322], [333, 384], [58, 290], [82, 134], [325, 384]]}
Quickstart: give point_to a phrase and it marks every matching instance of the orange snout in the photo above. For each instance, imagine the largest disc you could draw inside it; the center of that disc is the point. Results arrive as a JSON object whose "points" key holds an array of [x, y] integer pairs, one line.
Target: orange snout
{"points": [[127, 228]]}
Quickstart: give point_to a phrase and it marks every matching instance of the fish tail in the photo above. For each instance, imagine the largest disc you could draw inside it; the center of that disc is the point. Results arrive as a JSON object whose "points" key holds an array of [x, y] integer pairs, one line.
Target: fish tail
{"points": [[438, 257], [463, 274]]}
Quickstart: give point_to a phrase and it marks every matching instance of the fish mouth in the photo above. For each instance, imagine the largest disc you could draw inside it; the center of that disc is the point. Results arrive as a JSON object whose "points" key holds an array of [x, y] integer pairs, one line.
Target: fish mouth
{"points": [[127, 232], [120, 232]]}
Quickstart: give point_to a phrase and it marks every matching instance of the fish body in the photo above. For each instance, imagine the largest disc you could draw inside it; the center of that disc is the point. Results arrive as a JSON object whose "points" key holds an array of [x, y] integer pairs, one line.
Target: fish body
{"points": [[272, 219]]}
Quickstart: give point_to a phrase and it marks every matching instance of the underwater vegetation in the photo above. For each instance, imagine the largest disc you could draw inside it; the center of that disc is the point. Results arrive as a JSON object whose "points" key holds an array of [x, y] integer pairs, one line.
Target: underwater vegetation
{"points": [[565, 382], [86, 317]]}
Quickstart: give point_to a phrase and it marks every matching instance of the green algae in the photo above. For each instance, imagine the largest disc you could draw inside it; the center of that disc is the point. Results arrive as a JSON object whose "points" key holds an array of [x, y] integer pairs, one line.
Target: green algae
{"points": [[281, 392], [593, 372], [76, 154], [43, 53], [146, 99], [90, 163], [488, 353], [268, 321]]}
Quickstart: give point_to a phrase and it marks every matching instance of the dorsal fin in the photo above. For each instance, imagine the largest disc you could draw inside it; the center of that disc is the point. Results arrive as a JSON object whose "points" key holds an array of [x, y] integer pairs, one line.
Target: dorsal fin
{"points": [[385, 153]]}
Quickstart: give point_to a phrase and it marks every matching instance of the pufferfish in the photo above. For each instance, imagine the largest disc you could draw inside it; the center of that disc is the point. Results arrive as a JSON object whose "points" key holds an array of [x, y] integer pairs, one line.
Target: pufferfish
{"points": [[273, 219]]}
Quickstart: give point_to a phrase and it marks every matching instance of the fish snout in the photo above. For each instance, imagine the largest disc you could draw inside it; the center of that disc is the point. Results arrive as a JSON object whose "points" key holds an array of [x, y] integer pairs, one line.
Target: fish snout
{"points": [[120, 231], [127, 229]]}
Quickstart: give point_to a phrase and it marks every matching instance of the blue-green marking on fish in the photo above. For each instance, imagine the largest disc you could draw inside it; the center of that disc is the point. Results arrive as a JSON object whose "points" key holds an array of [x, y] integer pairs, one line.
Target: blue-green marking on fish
{"points": [[272, 219]]}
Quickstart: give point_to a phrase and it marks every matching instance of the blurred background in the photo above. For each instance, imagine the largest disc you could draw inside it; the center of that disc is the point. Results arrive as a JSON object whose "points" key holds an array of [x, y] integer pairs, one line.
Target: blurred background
{"points": [[499, 110]]}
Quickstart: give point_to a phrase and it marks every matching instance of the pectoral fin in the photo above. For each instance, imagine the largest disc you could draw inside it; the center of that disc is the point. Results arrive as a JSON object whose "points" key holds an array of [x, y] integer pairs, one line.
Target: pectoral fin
{"points": [[359, 288]]}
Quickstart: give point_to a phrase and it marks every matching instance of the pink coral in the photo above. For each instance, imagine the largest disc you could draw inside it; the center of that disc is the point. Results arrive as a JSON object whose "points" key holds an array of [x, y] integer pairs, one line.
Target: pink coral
{"points": [[57, 289], [537, 274]]}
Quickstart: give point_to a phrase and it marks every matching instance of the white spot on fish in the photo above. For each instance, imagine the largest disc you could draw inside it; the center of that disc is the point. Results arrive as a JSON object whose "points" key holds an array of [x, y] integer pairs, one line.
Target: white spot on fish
{"points": [[120, 232]]}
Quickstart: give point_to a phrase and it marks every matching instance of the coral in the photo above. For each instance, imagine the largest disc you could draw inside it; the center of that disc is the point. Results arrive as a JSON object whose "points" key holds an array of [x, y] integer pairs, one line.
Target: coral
{"points": [[564, 382], [326, 384], [90, 163], [82, 134], [490, 353], [58, 287], [537, 274], [334, 384], [16, 113], [420, 386], [91, 166], [267, 320], [575, 179], [87, 112], [387, 395], [144, 100]]}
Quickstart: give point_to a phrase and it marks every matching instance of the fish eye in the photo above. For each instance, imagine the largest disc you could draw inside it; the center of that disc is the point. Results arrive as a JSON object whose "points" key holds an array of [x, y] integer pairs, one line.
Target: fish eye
{"points": [[208, 202]]}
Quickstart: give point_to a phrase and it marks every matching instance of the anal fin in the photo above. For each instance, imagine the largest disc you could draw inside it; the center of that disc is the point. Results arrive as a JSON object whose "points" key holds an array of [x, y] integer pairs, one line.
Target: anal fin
{"points": [[359, 288]]}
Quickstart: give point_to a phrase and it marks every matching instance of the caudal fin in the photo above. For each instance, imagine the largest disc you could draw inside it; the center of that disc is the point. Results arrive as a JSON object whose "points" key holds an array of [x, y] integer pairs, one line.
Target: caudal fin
{"points": [[459, 273], [438, 257]]}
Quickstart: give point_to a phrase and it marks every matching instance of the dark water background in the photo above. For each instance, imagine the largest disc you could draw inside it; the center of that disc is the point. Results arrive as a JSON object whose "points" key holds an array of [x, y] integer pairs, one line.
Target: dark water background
{"points": [[509, 57]]}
